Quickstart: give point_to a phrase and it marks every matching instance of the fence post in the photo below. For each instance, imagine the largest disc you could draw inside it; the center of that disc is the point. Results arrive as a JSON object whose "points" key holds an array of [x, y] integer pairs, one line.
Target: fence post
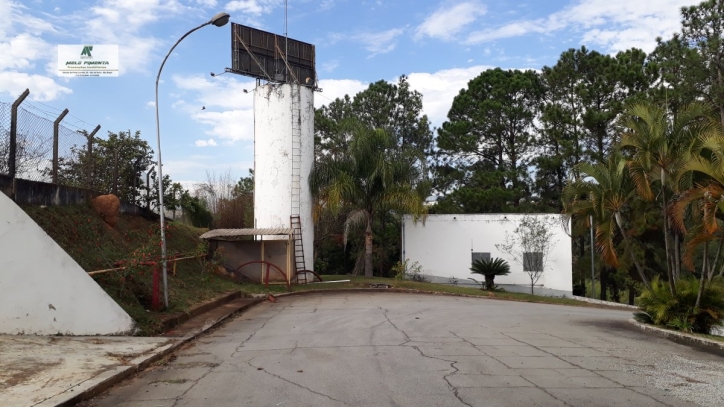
{"points": [[148, 189], [89, 183], [14, 135], [115, 171], [56, 125]]}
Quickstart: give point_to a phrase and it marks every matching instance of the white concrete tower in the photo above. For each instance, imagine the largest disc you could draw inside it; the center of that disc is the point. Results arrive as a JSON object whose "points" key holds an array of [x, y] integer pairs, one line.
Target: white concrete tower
{"points": [[283, 159]]}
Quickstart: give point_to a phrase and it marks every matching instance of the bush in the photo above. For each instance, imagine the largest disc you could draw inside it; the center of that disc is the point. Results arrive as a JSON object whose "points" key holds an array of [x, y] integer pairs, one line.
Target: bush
{"points": [[406, 271], [679, 311], [490, 269]]}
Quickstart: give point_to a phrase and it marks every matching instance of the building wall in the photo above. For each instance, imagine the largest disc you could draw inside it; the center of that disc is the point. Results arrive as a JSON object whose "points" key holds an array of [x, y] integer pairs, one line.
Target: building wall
{"points": [[443, 246], [43, 291], [238, 253], [273, 160]]}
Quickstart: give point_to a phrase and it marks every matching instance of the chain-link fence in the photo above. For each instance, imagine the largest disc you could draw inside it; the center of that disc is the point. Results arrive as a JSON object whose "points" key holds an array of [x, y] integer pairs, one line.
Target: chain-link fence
{"points": [[41, 149]]}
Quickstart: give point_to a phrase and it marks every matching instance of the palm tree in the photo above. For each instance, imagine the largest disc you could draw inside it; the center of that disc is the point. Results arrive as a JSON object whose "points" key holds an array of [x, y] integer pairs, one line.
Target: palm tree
{"points": [[490, 268], [374, 176], [706, 200], [603, 192], [661, 146]]}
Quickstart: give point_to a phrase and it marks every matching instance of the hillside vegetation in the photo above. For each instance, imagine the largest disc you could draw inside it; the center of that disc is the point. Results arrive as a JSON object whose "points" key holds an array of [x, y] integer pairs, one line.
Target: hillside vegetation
{"points": [[97, 246]]}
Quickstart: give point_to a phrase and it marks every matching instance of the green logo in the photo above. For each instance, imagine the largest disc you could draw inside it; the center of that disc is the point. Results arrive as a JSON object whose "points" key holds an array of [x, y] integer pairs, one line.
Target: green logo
{"points": [[86, 53]]}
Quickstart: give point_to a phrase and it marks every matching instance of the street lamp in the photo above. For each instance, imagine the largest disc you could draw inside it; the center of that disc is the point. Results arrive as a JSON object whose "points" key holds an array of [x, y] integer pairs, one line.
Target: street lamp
{"points": [[218, 20]]}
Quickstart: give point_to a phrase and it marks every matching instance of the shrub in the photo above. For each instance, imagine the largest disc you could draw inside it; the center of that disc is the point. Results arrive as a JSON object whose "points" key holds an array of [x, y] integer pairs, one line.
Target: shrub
{"points": [[490, 269], [406, 271], [679, 311]]}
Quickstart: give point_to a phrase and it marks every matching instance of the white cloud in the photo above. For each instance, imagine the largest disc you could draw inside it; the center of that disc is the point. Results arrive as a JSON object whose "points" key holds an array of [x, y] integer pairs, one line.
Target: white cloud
{"points": [[337, 88], [22, 50], [207, 3], [612, 24], [254, 7], [41, 87], [151, 104], [448, 21], [440, 88], [379, 42], [124, 22], [206, 143]]}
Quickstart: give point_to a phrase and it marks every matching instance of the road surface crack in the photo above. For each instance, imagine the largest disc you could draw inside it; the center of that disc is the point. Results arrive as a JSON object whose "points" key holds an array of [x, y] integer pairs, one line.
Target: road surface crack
{"points": [[297, 384]]}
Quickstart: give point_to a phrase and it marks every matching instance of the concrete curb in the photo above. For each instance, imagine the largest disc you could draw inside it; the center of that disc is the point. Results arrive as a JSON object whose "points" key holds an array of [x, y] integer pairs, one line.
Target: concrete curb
{"points": [[108, 379], [608, 303], [680, 336], [414, 291]]}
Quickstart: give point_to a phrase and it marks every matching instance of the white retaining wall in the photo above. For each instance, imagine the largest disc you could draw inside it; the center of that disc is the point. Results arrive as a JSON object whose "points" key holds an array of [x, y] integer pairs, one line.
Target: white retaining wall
{"points": [[43, 291], [443, 246]]}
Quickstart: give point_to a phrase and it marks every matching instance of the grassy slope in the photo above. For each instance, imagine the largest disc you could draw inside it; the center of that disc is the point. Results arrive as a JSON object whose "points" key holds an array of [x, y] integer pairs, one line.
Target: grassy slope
{"points": [[95, 245]]}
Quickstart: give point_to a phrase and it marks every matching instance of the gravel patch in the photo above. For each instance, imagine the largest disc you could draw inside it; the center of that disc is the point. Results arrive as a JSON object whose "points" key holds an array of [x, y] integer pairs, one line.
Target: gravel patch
{"points": [[701, 382]]}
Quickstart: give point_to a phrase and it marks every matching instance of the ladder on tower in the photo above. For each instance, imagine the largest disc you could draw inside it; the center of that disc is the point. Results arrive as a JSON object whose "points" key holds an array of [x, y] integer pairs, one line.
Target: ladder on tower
{"points": [[296, 150], [299, 264]]}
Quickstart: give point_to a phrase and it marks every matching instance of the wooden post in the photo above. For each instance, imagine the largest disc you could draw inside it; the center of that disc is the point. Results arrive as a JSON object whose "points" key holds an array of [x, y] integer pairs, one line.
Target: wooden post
{"points": [[262, 259], [56, 126]]}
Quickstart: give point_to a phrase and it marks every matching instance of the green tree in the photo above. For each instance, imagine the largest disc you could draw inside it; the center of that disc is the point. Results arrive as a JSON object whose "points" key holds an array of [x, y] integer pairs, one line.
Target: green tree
{"points": [[605, 192], [490, 127], [117, 164], [391, 107], [703, 31], [660, 146], [373, 176], [530, 244]]}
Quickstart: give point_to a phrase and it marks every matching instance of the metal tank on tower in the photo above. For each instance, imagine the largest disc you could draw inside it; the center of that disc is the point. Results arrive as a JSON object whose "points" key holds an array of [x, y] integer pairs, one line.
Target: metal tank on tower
{"points": [[283, 139]]}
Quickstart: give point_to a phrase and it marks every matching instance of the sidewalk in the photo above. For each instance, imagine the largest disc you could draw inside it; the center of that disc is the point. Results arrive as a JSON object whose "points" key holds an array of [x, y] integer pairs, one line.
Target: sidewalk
{"points": [[57, 370]]}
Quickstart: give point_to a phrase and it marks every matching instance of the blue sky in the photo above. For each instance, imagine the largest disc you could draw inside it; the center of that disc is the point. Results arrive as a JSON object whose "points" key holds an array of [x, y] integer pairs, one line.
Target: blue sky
{"points": [[440, 44]]}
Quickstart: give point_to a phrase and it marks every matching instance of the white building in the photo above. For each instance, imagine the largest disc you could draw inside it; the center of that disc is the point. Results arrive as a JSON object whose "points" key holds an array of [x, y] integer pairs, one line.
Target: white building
{"points": [[445, 245]]}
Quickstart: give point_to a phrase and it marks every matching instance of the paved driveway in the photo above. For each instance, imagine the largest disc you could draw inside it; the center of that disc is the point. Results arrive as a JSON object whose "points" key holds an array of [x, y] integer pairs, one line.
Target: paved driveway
{"points": [[383, 349]]}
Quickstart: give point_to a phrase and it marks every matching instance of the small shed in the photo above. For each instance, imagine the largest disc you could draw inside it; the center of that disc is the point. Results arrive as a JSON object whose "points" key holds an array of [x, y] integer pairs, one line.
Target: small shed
{"points": [[255, 255]]}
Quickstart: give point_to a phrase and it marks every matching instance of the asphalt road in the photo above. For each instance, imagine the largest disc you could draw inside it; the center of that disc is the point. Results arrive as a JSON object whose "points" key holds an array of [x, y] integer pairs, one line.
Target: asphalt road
{"points": [[383, 349]]}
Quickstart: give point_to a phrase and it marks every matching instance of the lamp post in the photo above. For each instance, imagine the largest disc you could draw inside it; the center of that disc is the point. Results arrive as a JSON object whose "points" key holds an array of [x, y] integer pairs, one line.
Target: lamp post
{"points": [[218, 20]]}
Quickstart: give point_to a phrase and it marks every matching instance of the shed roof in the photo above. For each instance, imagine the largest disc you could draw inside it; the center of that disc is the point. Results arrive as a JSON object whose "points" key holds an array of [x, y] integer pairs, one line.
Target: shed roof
{"points": [[236, 234]]}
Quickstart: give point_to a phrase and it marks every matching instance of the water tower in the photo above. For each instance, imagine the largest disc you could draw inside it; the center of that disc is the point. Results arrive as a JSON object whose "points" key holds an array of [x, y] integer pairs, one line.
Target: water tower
{"points": [[283, 131]]}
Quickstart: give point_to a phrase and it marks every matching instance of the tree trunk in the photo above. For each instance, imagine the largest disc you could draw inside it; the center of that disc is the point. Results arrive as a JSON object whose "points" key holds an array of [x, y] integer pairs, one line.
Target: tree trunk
{"points": [[703, 273], [615, 293], [631, 294], [489, 282], [604, 283], [667, 238], [644, 280], [368, 247], [582, 252]]}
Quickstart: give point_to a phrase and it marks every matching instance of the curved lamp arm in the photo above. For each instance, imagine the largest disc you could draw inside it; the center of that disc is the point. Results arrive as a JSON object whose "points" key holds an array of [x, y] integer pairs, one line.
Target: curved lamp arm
{"points": [[218, 20]]}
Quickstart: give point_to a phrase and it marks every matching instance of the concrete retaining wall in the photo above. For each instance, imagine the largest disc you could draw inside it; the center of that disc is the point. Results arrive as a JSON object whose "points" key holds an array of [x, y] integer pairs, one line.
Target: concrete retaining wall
{"points": [[43, 291]]}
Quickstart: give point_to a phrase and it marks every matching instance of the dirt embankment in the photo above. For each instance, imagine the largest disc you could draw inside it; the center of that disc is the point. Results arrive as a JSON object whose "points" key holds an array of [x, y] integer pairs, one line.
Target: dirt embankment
{"points": [[134, 240]]}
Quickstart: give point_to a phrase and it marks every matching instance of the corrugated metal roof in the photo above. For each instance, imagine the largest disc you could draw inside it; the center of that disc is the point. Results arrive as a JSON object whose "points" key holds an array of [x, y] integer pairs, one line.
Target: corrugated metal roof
{"points": [[233, 234]]}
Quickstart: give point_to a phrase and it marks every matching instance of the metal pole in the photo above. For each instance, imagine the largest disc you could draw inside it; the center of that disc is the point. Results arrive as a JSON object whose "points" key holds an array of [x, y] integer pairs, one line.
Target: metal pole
{"points": [[56, 129], [160, 172], [14, 134], [593, 281], [90, 156]]}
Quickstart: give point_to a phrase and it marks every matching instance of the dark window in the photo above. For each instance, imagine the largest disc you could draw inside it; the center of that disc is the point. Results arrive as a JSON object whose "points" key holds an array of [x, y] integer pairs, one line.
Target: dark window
{"points": [[481, 256], [532, 261]]}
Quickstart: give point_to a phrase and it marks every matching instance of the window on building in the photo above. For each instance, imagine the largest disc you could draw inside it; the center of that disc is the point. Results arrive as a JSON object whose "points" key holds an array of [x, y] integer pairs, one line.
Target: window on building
{"points": [[532, 261], [481, 256]]}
